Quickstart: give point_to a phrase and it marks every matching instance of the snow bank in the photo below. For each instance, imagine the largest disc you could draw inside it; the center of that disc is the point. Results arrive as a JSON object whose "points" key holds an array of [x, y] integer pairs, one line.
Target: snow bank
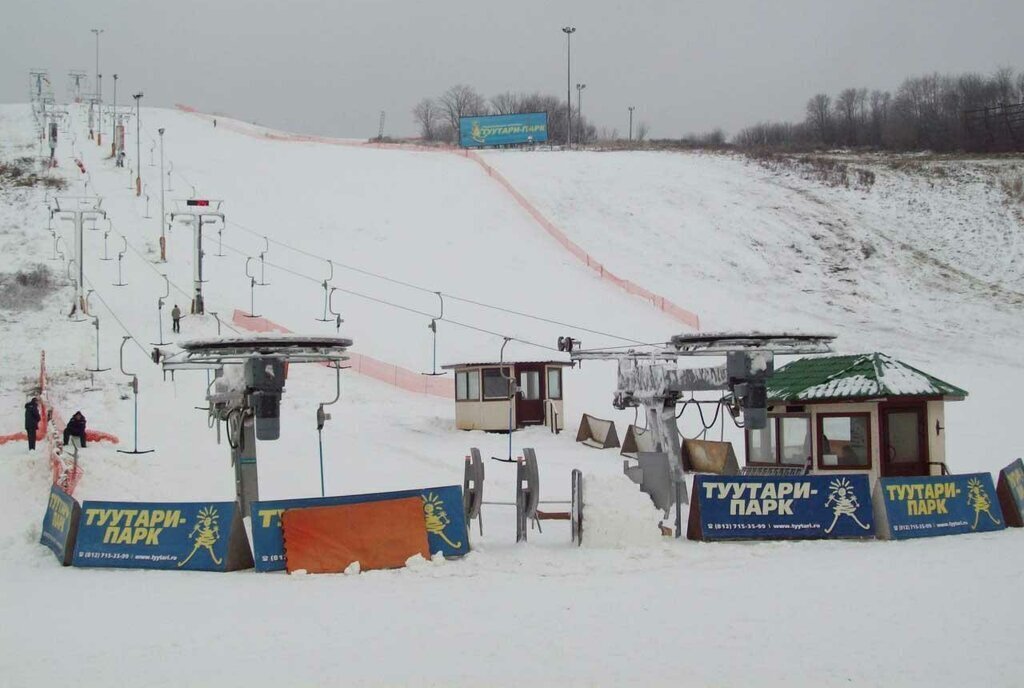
{"points": [[617, 515]]}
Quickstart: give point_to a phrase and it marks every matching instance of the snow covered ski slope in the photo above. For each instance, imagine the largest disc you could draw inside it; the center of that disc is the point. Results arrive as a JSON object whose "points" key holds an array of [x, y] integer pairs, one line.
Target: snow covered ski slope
{"points": [[923, 268]]}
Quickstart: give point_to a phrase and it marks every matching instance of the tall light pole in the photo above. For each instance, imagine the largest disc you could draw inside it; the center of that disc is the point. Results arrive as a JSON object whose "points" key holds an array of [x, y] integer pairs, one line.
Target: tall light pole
{"points": [[630, 122], [579, 111], [569, 31], [138, 148], [99, 86], [113, 136], [163, 238]]}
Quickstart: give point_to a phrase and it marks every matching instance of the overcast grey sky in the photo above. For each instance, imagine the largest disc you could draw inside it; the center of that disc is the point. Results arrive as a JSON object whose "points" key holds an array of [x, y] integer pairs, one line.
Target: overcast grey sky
{"points": [[330, 66]]}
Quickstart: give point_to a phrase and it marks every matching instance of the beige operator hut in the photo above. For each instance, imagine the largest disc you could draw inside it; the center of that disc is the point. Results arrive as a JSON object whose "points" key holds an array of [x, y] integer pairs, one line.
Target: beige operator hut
{"points": [[867, 413], [482, 399]]}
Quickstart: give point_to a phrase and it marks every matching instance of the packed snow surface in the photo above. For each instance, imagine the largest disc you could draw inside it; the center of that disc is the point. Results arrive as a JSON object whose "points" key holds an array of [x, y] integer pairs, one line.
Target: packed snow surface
{"points": [[925, 267]]}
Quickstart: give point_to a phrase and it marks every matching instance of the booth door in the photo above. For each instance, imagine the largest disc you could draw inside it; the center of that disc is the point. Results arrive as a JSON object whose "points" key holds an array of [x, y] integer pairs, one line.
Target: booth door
{"points": [[904, 440], [530, 400]]}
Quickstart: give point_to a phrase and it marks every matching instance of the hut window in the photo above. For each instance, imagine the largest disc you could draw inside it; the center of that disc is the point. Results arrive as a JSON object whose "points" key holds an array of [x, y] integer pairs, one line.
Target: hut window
{"points": [[784, 440], [554, 383], [467, 385], [496, 384], [844, 440], [529, 384]]}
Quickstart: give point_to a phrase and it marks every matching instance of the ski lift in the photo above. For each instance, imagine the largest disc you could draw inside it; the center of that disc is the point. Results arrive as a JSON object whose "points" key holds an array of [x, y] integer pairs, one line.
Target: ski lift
{"points": [[135, 394], [322, 417], [106, 233], [327, 293], [330, 309], [160, 311], [120, 257], [433, 334], [252, 290], [513, 389], [263, 274], [96, 324]]}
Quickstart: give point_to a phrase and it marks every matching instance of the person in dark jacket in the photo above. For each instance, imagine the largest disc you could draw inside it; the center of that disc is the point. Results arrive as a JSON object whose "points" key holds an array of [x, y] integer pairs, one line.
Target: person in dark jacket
{"points": [[76, 428], [32, 421], [175, 319]]}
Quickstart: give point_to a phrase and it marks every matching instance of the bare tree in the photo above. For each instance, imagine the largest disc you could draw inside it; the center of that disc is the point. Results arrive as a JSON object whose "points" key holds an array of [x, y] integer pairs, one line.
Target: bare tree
{"points": [[506, 103], [428, 116], [819, 116], [461, 101], [642, 129]]}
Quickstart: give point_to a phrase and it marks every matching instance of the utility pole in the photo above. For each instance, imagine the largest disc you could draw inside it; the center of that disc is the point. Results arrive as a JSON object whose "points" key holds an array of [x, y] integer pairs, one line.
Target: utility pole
{"points": [[199, 211], [630, 122], [85, 208], [77, 76], [113, 134], [99, 86], [138, 149], [163, 236], [579, 113], [569, 31]]}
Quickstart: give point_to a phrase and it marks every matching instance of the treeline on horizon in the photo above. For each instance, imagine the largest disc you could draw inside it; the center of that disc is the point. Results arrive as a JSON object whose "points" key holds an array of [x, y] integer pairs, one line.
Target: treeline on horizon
{"points": [[924, 113]]}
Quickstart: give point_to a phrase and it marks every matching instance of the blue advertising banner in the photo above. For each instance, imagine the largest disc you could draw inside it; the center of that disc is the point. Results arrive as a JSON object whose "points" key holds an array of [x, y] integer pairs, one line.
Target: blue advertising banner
{"points": [[775, 508], [501, 130], [442, 511], [60, 524], [1011, 493], [179, 536], [928, 506]]}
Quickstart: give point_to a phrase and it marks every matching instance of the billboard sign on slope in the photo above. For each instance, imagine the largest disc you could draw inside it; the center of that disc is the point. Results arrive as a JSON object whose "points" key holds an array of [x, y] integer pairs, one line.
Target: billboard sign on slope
{"points": [[60, 524], [503, 130], [928, 506], [1011, 493]]}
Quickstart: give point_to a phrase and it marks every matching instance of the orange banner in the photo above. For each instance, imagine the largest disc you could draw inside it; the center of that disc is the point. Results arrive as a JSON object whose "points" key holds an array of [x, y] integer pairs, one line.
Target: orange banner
{"points": [[379, 535]]}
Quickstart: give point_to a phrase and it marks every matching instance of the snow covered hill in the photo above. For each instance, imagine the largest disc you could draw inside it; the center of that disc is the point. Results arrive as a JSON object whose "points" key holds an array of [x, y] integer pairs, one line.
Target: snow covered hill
{"points": [[921, 265]]}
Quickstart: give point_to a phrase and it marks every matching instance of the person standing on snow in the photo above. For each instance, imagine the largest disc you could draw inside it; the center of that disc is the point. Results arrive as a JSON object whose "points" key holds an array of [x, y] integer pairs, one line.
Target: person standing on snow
{"points": [[76, 428], [176, 319], [32, 416]]}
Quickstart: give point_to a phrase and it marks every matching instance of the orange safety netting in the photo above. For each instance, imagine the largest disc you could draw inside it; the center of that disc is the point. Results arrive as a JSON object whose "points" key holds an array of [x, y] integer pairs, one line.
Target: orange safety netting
{"points": [[389, 373], [672, 310]]}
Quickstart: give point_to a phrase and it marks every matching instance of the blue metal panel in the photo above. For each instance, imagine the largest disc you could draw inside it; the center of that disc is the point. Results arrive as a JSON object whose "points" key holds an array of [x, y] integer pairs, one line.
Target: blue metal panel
{"points": [[940, 505], [171, 535], [774, 508], [60, 524], [442, 510], [501, 130]]}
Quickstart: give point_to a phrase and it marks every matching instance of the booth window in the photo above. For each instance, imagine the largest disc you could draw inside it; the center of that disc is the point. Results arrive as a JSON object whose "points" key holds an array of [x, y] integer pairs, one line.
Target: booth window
{"points": [[529, 384], [784, 440], [844, 440], [555, 383], [495, 384], [467, 385]]}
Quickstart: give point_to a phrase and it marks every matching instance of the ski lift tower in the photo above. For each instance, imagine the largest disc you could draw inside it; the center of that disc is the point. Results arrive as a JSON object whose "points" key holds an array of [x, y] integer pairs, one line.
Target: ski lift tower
{"points": [[76, 209], [246, 391], [653, 380], [197, 212]]}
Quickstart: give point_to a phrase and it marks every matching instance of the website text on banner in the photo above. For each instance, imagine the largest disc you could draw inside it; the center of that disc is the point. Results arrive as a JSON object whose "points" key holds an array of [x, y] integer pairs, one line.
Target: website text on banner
{"points": [[503, 130], [766, 508], [936, 505]]}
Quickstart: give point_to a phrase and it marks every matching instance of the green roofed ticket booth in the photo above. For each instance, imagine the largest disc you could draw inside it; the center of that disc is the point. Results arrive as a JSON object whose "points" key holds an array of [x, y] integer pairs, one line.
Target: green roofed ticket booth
{"points": [[484, 398], [867, 413]]}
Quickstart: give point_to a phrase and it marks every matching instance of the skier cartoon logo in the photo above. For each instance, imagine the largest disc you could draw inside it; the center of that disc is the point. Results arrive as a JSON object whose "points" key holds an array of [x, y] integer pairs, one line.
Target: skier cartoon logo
{"points": [[437, 519], [205, 534], [844, 502], [476, 134], [978, 498]]}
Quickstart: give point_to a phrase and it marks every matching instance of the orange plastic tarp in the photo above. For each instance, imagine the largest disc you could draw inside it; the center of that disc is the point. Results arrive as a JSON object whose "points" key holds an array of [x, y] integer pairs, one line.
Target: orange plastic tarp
{"points": [[379, 535]]}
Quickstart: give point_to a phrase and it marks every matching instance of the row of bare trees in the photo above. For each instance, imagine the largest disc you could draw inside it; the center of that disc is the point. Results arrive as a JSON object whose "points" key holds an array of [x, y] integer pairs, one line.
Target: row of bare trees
{"points": [[438, 118], [925, 113]]}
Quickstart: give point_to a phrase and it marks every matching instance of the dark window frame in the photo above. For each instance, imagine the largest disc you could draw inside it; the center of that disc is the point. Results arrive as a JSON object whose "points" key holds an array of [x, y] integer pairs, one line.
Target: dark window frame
{"points": [[547, 386], [819, 455], [466, 373], [483, 384], [776, 420]]}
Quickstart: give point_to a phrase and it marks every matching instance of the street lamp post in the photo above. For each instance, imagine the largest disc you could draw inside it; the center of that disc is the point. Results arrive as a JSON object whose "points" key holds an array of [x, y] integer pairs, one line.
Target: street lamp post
{"points": [[630, 122], [569, 31], [99, 84], [113, 136], [580, 138], [163, 238], [138, 149]]}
